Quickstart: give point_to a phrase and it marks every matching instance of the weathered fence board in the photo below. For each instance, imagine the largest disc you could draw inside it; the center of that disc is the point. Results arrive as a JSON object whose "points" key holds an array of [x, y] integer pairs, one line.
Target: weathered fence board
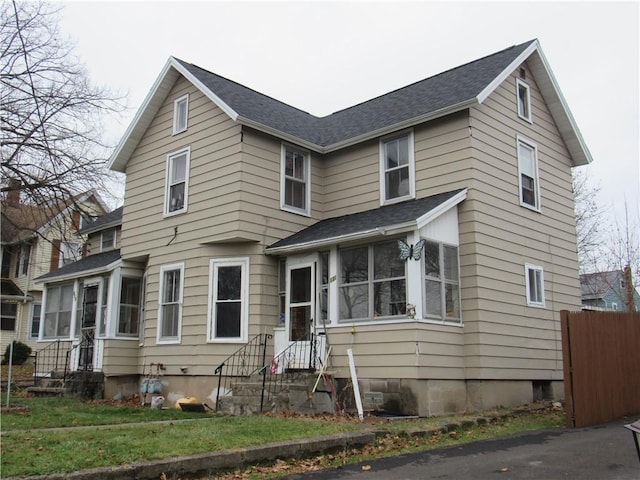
{"points": [[601, 354]]}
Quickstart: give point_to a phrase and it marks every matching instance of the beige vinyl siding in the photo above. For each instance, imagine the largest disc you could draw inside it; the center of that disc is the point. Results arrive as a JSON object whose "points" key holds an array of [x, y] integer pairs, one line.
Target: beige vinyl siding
{"points": [[505, 338], [405, 350], [120, 357]]}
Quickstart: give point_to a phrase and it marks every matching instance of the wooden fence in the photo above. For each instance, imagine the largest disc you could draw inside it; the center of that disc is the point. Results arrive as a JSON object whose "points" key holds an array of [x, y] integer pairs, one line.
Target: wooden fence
{"points": [[601, 356]]}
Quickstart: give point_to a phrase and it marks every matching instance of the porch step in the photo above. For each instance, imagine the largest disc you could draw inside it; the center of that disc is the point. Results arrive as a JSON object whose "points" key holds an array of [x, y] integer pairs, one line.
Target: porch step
{"points": [[47, 391]]}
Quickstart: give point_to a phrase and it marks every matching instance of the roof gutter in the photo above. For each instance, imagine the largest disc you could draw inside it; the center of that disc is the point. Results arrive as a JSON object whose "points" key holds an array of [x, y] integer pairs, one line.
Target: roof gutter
{"points": [[75, 275]]}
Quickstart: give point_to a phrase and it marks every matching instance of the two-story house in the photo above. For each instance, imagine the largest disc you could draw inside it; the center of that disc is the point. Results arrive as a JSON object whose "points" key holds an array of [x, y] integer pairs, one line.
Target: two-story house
{"points": [[610, 290], [429, 231], [37, 239]]}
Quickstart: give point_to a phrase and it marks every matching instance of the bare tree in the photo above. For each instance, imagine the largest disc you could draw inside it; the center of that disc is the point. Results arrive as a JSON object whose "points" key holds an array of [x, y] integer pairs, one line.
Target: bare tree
{"points": [[51, 147], [589, 221]]}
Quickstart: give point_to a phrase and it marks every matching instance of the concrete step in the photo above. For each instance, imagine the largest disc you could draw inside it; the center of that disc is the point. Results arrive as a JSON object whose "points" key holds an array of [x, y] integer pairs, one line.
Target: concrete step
{"points": [[47, 391]]}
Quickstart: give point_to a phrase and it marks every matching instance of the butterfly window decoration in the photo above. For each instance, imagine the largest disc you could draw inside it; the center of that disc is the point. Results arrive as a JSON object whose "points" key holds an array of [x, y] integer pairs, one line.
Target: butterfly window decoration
{"points": [[411, 251]]}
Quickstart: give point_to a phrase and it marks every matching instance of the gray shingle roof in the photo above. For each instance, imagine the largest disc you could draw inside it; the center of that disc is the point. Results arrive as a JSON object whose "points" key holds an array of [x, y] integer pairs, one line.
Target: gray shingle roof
{"points": [[92, 262], [453, 87], [109, 219], [594, 286], [369, 220]]}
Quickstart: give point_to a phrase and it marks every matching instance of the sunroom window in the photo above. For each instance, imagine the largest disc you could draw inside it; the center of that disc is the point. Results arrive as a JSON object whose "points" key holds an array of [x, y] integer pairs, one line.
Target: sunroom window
{"points": [[372, 282], [58, 309], [441, 282]]}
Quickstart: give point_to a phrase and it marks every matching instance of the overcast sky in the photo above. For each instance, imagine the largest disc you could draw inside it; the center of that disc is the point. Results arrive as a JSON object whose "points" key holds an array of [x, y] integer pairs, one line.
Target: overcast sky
{"points": [[325, 56]]}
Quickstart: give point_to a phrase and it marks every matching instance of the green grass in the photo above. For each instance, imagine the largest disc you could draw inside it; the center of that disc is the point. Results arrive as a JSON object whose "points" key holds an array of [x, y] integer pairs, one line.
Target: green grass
{"points": [[31, 446]]}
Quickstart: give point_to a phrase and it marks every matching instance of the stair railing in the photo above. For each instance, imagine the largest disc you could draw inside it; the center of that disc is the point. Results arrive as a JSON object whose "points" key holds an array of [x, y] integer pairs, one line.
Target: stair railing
{"points": [[243, 363], [294, 361], [52, 358]]}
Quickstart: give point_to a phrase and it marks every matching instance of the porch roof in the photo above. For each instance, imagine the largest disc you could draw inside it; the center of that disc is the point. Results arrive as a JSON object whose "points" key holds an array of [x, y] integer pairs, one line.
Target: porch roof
{"points": [[87, 264], [400, 217], [9, 289]]}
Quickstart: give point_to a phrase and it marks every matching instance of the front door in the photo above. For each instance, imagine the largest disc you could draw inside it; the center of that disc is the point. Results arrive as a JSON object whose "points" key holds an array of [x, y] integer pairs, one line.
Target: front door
{"points": [[300, 314], [88, 327]]}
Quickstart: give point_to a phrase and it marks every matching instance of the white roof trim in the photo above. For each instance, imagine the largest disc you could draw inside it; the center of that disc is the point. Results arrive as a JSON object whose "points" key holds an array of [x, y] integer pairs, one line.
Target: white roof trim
{"points": [[434, 213], [81, 274]]}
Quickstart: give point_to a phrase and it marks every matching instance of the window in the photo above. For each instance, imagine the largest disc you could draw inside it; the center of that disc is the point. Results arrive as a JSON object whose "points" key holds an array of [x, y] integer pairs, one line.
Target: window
{"points": [[170, 315], [534, 277], [295, 180], [8, 314], [180, 114], [528, 171], [108, 240], [102, 321], [128, 319], [69, 253], [372, 282], [34, 327], [324, 286], [177, 181], [441, 282], [397, 168], [228, 302], [57, 313], [524, 100], [282, 289], [23, 264]]}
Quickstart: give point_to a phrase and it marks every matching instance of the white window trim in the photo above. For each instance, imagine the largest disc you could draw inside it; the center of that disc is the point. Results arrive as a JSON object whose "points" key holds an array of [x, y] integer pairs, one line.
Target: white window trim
{"points": [[214, 264], [119, 311], [442, 319], [520, 83], [170, 340], [412, 167], [176, 112], [529, 143], [167, 196], [31, 310], [528, 267], [307, 180], [113, 243]]}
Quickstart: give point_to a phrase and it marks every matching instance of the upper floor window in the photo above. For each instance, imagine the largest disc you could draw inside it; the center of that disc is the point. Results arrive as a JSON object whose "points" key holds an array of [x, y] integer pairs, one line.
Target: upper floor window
{"points": [[177, 181], [180, 114], [534, 278], [25, 255], [229, 305], [69, 253], [524, 100], [528, 173], [295, 180], [397, 168], [108, 240], [441, 282], [170, 299], [372, 282]]}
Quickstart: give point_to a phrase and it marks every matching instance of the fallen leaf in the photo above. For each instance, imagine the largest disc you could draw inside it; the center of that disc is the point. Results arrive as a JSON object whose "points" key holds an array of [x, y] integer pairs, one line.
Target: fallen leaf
{"points": [[504, 470], [366, 468]]}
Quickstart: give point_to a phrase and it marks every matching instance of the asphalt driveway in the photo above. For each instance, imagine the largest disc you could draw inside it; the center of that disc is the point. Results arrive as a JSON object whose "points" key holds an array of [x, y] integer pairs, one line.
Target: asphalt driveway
{"points": [[603, 452]]}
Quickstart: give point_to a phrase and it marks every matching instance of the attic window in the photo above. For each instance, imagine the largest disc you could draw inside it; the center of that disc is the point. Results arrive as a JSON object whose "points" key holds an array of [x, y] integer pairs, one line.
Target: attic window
{"points": [[524, 100], [180, 114]]}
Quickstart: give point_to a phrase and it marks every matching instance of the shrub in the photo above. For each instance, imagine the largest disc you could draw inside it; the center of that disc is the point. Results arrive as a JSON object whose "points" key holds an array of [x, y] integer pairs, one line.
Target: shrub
{"points": [[21, 353]]}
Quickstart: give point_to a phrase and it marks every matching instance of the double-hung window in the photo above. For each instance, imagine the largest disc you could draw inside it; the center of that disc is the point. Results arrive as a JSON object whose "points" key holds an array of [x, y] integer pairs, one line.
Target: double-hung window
{"points": [[129, 315], [180, 114], [295, 179], [58, 309], [397, 168], [372, 282], [8, 315], [441, 282], [25, 255], [108, 240], [177, 181], [528, 174], [69, 253], [34, 328], [534, 279], [170, 311], [228, 300], [524, 100]]}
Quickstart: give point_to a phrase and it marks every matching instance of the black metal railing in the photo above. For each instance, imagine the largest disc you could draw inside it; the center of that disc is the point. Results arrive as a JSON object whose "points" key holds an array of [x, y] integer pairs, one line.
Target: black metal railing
{"points": [[52, 360], [295, 361], [245, 362]]}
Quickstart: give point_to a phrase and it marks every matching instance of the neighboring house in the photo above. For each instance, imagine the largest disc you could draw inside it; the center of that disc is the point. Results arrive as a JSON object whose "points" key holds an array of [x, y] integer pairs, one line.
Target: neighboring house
{"points": [[607, 291], [37, 239], [250, 216]]}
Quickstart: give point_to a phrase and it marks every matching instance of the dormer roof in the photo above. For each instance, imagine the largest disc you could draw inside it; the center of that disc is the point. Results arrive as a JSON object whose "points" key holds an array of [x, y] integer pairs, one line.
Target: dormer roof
{"points": [[453, 90]]}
